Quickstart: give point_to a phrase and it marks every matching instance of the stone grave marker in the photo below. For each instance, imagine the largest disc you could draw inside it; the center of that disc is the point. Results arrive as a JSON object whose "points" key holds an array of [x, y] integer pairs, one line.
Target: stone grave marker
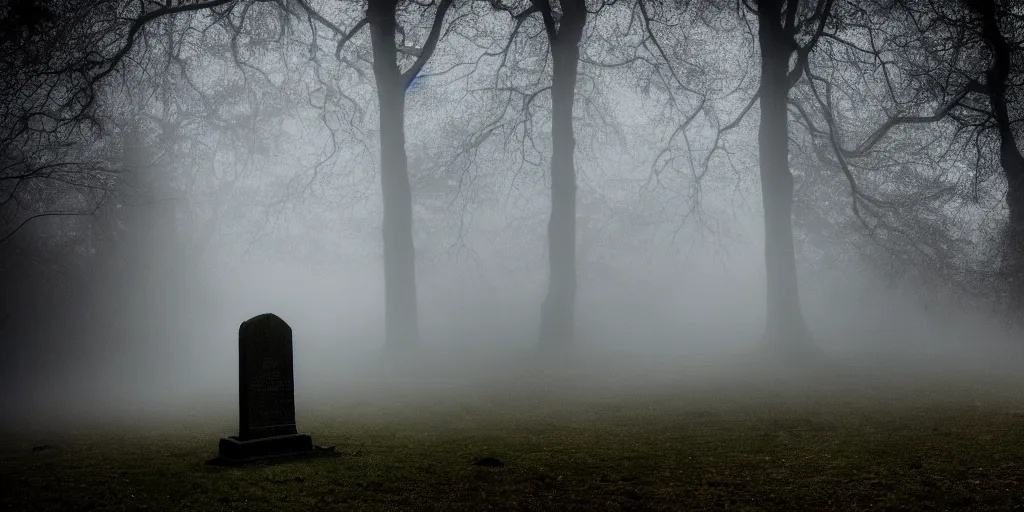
{"points": [[266, 382], [266, 396]]}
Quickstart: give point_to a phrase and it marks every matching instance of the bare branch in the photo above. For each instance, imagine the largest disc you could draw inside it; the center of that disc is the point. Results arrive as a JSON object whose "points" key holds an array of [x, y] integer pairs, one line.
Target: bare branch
{"points": [[148, 17], [430, 45]]}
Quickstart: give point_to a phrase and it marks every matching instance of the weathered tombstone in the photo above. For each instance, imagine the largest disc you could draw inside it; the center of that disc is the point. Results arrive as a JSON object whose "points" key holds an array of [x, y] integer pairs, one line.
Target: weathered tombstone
{"points": [[266, 395]]}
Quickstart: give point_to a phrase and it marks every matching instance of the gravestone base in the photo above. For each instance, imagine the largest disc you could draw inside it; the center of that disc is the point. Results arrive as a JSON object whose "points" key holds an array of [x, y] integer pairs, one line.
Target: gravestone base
{"points": [[236, 450]]}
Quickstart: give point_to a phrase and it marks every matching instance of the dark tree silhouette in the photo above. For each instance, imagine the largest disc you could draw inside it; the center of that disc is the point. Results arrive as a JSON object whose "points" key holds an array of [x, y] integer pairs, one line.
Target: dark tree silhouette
{"points": [[557, 313], [401, 322], [777, 31], [992, 15], [48, 111], [963, 57], [563, 25]]}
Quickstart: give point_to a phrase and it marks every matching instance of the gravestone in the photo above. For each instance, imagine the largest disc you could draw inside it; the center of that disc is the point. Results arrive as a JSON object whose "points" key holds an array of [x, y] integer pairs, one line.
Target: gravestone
{"points": [[266, 395], [266, 382]]}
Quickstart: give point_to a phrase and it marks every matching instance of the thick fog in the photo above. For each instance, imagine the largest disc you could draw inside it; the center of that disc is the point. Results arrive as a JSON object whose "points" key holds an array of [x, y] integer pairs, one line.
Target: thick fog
{"points": [[670, 249], [685, 313]]}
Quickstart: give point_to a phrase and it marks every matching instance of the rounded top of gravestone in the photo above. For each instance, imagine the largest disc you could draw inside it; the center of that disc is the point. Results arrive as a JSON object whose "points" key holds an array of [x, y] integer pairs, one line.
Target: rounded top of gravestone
{"points": [[265, 322]]}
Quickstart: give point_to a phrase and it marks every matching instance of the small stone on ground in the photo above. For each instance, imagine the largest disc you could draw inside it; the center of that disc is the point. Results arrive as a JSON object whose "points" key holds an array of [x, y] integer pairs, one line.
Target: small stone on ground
{"points": [[489, 462]]}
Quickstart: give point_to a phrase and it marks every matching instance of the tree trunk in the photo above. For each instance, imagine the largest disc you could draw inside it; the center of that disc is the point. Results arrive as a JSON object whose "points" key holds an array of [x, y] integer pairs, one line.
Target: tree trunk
{"points": [[1010, 157], [784, 327], [558, 310], [400, 314]]}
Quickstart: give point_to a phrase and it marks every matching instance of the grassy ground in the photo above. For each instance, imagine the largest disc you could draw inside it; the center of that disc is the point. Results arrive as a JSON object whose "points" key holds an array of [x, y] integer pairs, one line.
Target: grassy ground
{"points": [[949, 445]]}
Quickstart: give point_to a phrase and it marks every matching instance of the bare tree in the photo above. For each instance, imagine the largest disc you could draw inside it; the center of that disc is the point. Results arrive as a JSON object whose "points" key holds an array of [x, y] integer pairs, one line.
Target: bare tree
{"points": [[994, 18], [382, 18], [401, 322], [945, 75], [779, 24], [557, 318], [563, 25], [48, 53]]}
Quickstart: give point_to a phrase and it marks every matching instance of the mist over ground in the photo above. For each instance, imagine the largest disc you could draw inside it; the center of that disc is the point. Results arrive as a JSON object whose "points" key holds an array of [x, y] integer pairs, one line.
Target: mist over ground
{"points": [[683, 321]]}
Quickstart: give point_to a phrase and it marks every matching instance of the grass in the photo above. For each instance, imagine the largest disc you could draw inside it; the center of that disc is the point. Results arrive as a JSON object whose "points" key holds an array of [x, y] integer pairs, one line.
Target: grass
{"points": [[936, 445]]}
